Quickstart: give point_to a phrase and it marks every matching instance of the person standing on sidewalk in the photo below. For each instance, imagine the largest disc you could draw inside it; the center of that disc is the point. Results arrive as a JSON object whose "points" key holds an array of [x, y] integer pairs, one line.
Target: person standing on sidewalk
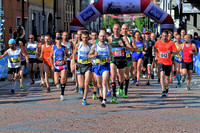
{"points": [[101, 52], [189, 49], [14, 62], [45, 53], [165, 50], [84, 65], [59, 53]]}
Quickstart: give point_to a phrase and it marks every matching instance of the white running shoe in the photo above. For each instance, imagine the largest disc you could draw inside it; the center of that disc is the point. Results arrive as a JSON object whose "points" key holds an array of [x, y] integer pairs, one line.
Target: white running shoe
{"points": [[61, 97]]}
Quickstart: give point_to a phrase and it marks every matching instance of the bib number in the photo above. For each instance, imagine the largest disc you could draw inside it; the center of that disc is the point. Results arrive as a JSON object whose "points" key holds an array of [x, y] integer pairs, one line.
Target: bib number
{"points": [[101, 61], [15, 60], [84, 61], [31, 52], [59, 62], [128, 55], [118, 53], [163, 55]]}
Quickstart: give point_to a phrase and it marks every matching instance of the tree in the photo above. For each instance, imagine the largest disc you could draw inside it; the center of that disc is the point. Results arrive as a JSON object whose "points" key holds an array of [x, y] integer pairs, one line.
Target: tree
{"points": [[109, 22], [140, 22]]}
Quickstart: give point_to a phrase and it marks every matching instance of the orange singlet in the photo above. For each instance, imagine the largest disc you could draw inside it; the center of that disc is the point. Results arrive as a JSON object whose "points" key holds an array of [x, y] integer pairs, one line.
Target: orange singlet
{"points": [[47, 52]]}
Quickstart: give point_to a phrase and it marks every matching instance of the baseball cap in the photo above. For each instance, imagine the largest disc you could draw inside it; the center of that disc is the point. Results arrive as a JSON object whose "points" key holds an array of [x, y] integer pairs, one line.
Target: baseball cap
{"points": [[58, 37], [147, 32], [108, 30], [12, 41]]}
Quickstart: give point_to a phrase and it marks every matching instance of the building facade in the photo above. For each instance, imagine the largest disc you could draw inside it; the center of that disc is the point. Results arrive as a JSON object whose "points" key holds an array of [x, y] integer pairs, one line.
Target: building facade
{"points": [[13, 17], [41, 17]]}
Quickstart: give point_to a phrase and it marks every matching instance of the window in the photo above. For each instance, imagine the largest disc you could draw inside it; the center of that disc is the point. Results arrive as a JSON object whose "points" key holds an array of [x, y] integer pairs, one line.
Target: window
{"points": [[18, 21]]}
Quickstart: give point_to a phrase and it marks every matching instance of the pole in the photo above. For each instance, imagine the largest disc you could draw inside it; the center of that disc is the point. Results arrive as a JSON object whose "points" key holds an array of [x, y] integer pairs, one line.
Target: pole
{"points": [[43, 13], [23, 13], [54, 16]]}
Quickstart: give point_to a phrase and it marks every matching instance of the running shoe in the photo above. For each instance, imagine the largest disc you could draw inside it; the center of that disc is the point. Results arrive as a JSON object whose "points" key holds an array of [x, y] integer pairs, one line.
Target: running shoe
{"points": [[144, 76], [188, 87], [171, 81], [61, 98], [183, 79], [100, 98], [152, 76], [164, 94], [91, 84], [103, 103], [121, 93], [137, 84], [126, 95], [117, 93], [114, 100], [12, 91], [108, 93], [84, 102], [52, 82], [148, 84], [132, 82], [21, 86], [48, 90], [33, 82], [174, 76], [178, 85], [81, 91], [76, 89], [42, 84], [94, 97]]}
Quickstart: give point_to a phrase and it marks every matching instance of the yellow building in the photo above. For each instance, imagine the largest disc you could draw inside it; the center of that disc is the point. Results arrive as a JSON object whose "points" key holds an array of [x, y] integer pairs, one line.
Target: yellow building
{"points": [[40, 2]]}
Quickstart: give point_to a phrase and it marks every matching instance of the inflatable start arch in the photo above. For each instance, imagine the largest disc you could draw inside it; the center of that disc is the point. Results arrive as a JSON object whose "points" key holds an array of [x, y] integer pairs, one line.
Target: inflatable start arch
{"points": [[122, 7]]}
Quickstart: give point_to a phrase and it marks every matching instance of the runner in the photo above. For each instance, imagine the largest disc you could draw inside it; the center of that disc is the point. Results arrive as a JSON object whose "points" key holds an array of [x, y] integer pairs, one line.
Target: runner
{"points": [[102, 53], [32, 47], [118, 62], [189, 49], [178, 60], [153, 66], [40, 61], [59, 65], [45, 53], [148, 57], [84, 65], [165, 49], [14, 63], [183, 33], [94, 37], [73, 67], [137, 57], [68, 44], [23, 62], [125, 30]]}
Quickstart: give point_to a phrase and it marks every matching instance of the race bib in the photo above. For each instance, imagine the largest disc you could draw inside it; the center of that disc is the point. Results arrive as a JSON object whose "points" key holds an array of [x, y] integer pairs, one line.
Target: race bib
{"points": [[118, 53], [31, 52], [140, 49], [84, 61], [15, 60], [101, 61], [59, 62], [163, 55], [128, 55]]}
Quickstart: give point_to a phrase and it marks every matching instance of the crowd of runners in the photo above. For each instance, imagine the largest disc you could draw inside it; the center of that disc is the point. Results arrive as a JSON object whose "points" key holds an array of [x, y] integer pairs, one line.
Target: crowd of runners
{"points": [[110, 61]]}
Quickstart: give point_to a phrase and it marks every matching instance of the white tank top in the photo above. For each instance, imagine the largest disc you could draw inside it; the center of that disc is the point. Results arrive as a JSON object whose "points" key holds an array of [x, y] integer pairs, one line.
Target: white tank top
{"points": [[32, 50], [103, 54], [68, 45], [14, 58], [83, 54]]}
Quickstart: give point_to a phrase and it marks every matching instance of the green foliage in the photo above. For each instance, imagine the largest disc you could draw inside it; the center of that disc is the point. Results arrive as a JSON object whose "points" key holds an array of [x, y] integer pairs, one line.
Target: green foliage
{"points": [[140, 23]]}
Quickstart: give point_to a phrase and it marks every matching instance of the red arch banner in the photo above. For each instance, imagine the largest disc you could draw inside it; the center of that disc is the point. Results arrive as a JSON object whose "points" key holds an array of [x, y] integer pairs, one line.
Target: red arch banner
{"points": [[122, 7]]}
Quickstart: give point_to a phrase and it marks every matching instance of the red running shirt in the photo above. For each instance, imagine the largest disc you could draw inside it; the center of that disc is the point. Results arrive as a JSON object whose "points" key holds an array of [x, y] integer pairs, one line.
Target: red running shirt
{"points": [[163, 56], [187, 56]]}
